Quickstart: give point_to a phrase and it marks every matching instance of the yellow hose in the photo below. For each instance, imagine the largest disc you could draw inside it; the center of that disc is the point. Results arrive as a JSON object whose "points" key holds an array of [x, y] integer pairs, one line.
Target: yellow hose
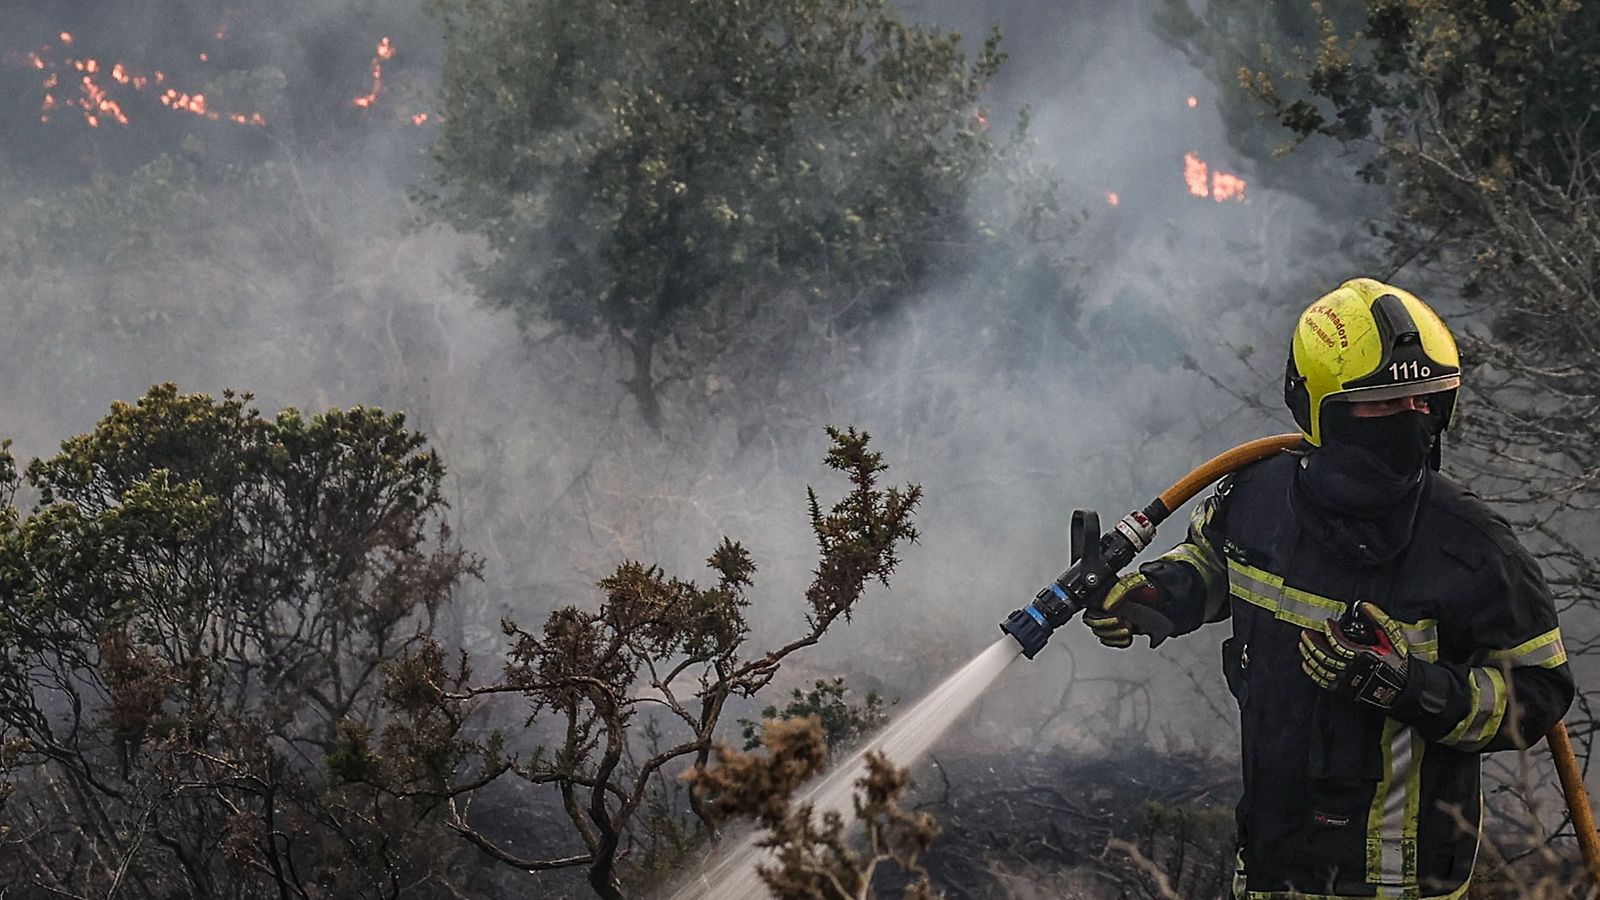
{"points": [[1577, 798], [1223, 463]]}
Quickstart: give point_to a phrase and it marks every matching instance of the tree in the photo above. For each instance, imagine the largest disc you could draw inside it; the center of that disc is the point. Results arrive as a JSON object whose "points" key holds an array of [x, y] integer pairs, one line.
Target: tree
{"points": [[1227, 35], [200, 602], [659, 172], [660, 657]]}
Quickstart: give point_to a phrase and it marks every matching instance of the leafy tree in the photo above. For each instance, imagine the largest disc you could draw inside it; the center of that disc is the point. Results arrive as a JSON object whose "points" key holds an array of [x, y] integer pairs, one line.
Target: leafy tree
{"points": [[199, 603], [661, 658], [659, 173], [1227, 35]]}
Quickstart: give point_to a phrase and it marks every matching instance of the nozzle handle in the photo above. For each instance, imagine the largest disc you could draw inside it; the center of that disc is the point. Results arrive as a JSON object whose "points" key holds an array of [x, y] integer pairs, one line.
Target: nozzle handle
{"points": [[1084, 536], [1146, 620]]}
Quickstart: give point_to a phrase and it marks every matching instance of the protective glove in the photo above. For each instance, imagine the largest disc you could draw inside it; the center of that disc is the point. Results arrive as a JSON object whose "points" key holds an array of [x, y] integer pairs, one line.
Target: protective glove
{"points": [[1110, 626], [1361, 656]]}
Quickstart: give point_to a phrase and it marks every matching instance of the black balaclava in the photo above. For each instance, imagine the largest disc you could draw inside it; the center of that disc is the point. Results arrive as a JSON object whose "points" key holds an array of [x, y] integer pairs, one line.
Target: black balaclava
{"points": [[1359, 492]]}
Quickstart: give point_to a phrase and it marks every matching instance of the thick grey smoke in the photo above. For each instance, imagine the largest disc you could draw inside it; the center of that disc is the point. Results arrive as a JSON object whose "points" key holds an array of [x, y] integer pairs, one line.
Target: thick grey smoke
{"points": [[326, 295]]}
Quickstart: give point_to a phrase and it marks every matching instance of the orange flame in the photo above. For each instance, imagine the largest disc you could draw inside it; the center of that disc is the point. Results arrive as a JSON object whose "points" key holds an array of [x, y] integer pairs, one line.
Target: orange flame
{"points": [[1227, 186], [1195, 175], [97, 105], [94, 98], [385, 51], [1112, 198], [95, 101], [1193, 102], [1202, 181]]}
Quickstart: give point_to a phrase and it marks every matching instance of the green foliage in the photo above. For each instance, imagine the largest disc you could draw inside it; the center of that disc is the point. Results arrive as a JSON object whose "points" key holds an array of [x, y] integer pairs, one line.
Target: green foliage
{"points": [[663, 170], [1226, 36], [198, 610], [1484, 111], [843, 723]]}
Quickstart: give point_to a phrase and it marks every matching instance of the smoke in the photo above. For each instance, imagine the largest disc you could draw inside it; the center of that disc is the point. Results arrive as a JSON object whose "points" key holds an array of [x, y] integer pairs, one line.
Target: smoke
{"points": [[308, 282]]}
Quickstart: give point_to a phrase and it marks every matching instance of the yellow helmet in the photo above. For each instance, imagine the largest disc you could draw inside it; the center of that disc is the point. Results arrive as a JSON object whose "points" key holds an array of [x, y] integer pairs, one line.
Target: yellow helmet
{"points": [[1367, 340]]}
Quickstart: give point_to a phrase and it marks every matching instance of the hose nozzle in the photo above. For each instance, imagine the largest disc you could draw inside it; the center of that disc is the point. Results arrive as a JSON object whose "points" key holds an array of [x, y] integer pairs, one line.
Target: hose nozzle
{"points": [[1030, 628]]}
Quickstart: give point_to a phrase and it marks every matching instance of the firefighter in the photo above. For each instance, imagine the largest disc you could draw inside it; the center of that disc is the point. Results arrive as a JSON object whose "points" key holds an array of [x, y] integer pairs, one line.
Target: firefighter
{"points": [[1388, 628]]}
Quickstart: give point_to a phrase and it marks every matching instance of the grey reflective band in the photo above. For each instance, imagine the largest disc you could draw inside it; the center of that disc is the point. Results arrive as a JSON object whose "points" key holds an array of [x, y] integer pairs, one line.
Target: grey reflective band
{"points": [[1266, 590], [1263, 589], [1547, 651], [1487, 697], [1392, 818]]}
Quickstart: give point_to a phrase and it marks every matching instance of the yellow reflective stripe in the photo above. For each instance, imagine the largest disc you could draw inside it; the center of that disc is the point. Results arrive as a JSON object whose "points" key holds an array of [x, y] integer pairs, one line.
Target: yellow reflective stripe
{"points": [[1204, 562], [1258, 587], [1392, 817], [1212, 575], [1422, 638], [1200, 517], [1486, 697], [1384, 893], [1312, 604], [1264, 589], [1546, 651]]}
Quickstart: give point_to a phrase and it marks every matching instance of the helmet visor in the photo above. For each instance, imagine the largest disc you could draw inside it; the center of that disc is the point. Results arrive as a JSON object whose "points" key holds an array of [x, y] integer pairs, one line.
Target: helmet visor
{"points": [[1396, 391]]}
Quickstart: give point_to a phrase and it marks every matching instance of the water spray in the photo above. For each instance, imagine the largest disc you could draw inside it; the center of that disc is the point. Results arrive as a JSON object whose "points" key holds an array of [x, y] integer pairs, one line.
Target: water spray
{"points": [[1096, 560]]}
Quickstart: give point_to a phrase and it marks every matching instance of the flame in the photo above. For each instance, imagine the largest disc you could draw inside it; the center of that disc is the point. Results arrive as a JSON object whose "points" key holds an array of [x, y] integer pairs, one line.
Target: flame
{"points": [[95, 102], [1193, 102], [1195, 174], [1112, 198], [385, 52], [1202, 181], [1227, 186], [103, 88]]}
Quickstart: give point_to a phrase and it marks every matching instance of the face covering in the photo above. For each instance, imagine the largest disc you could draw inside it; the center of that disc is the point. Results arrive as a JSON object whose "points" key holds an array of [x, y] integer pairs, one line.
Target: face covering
{"points": [[1399, 442], [1360, 490]]}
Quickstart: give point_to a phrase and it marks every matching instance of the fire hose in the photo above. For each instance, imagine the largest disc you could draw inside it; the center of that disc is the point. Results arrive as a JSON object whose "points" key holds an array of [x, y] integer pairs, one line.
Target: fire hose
{"points": [[1096, 559]]}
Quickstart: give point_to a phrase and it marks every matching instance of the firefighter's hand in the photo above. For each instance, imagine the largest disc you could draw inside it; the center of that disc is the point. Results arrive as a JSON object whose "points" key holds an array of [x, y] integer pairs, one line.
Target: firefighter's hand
{"points": [[1108, 625], [1362, 657]]}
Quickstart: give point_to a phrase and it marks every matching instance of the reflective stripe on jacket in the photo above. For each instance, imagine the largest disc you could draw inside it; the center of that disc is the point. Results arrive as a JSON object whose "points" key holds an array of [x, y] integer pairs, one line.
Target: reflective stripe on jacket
{"points": [[1340, 800]]}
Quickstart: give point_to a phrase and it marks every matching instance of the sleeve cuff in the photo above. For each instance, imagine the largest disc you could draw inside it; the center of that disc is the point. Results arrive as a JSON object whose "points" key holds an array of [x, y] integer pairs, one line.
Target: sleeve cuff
{"points": [[1425, 702]]}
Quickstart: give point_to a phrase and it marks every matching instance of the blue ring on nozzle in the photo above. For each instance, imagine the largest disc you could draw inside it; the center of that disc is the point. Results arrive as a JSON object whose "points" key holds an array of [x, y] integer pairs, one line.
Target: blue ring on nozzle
{"points": [[1038, 616]]}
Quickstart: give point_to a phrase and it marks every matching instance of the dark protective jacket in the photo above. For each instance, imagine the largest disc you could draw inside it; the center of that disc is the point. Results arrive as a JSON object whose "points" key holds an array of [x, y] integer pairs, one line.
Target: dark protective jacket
{"points": [[1339, 799]]}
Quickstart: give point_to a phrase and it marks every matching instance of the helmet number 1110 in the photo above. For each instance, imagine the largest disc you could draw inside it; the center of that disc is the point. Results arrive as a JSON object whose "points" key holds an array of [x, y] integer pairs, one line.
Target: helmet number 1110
{"points": [[1412, 369]]}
